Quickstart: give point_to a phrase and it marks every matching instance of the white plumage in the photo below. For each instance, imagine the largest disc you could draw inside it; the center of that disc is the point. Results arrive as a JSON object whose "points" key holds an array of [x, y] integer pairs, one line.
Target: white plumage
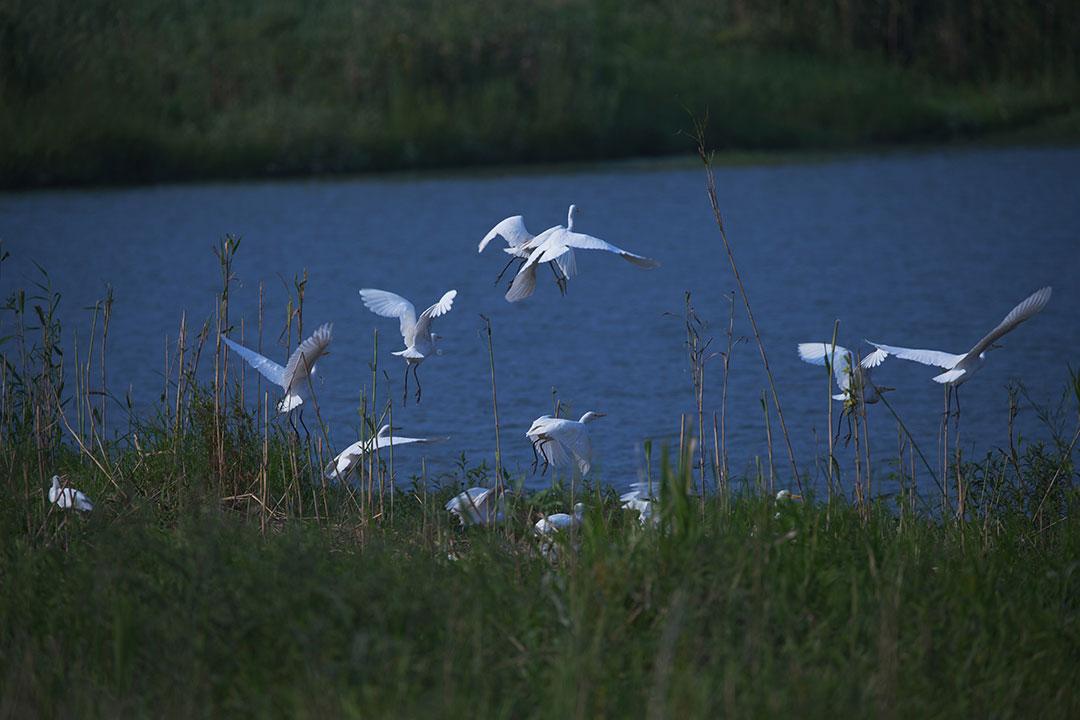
{"points": [[852, 378], [562, 442], [420, 341], [551, 524], [68, 497], [346, 460], [478, 506], [555, 243], [295, 377], [958, 368], [519, 245], [641, 499]]}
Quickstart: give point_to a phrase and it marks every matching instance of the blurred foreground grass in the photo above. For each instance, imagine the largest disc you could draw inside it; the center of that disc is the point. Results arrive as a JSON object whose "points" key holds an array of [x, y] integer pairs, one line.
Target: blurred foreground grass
{"points": [[136, 91]]}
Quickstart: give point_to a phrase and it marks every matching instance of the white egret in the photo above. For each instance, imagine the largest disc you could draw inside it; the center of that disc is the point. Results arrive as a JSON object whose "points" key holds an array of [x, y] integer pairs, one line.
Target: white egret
{"points": [[562, 442], [643, 501], [478, 506], [556, 242], [787, 496], [295, 378], [958, 368], [551, 524], [340, 467], [420, 342], [519, 247], [852, 378], [68, 497]]}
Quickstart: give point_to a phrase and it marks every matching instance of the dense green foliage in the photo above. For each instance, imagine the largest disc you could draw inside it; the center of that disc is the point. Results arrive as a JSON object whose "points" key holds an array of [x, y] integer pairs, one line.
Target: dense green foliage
{"points": [[143, 90]]}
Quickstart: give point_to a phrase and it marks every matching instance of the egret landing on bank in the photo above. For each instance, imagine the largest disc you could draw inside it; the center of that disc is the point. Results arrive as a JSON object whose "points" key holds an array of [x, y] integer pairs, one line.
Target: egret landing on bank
{"points": [[519, 246], [420, 342], [556, 242], [295, 377], [958, 368], [643, 501], [478, 506], [340, 467], [68, 498], [562, 442]]}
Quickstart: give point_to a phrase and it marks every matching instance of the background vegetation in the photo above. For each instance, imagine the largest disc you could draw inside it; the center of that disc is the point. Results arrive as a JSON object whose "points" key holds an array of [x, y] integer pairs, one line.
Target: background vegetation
{"points": [[144, 90]]}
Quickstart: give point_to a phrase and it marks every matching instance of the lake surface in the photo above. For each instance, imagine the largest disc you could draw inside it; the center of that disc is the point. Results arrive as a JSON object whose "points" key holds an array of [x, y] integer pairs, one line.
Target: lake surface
{"points": [[927, 250]]}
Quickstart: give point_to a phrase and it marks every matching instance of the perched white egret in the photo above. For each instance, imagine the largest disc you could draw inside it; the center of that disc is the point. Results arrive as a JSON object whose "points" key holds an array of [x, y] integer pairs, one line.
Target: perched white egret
{"points": [[852, 378], [562, 442], [643, 501], [68, 497], [958, 368], [420, 342], [519, 246], [340, 467], [295, 378], [556, 242], [551, 524], [478, 506]]}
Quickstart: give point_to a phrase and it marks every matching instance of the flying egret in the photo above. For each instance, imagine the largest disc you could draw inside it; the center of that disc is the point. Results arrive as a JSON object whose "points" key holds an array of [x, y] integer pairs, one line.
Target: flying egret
{"points": [[562, 442], [643, 501], [68, 497], [958, 368], [852, 378], [556, 242], [478, 506], [420, 342], [519, 247], [340, 467], [551, 524], [295, 377]]}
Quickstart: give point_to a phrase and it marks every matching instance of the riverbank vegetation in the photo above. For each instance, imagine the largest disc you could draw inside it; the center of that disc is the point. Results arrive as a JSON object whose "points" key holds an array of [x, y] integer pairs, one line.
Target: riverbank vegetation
{"points": [[221, 574], [145, 91]]}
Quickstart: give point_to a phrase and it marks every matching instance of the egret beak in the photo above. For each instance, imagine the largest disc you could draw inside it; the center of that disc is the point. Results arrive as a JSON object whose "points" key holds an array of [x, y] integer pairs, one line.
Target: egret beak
{"points": [[600, 414], [796, 497], [884, 389], [996, 346]]}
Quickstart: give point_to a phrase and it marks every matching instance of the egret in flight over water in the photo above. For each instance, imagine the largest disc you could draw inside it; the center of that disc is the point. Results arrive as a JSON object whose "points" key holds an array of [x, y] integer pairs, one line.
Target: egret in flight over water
{"points": [[420, 342], [958, 368], [519, 246], [340, 467], [852, 378], [478, 506], [68, 497], [562, 442], [295, 377], [556, 242]]}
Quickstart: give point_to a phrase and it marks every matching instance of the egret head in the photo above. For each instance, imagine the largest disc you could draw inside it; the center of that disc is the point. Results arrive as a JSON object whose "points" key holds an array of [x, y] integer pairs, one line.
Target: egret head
{"points": [[55, 482], [579, 509], [590, 416], [386, 430], [786, 495]]}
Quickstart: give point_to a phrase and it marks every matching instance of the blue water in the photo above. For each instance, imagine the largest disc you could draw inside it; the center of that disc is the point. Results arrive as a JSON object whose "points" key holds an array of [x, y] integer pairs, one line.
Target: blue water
{"points": [[928, 249]]}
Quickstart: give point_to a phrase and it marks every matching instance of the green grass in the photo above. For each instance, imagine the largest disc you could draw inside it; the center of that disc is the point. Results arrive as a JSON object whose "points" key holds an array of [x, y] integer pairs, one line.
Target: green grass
{"points": [[146, 91]]}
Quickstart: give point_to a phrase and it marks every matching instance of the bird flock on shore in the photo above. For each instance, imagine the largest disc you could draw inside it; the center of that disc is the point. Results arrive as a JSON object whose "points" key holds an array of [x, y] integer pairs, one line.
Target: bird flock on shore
{"points": [[557, 442]]}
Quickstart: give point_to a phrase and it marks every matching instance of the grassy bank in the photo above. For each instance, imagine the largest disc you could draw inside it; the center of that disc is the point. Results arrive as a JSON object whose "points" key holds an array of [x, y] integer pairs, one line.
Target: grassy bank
{"points": [[144, 91], [219, 575]]}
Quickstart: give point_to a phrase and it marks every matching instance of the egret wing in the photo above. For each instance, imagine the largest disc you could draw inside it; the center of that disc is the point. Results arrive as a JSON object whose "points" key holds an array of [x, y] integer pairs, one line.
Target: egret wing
{"points": [[388, 304], [266, 367], [588, 242], [423, 325], [304, 357], [567, 263], [1030, 306], [512, 229], [835, 356], [936, 358]]}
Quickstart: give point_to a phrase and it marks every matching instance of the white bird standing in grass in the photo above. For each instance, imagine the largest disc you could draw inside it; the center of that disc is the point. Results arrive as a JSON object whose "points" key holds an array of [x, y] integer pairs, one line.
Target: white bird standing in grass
{"points": [[556, 242], [420, 342], [295, 377], [68, 497], [519, 247], [478, 506], [562, 442], [852, 378], [958, 368], [551, 524], [342, 465]]}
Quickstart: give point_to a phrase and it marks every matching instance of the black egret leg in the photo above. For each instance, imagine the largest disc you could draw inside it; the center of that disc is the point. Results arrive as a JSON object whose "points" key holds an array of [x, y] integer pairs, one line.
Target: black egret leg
{"points": [[560, 279], [417, 379], [507, 267], [536, 457], [307, 433], [405, 392], [547, 461]]}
